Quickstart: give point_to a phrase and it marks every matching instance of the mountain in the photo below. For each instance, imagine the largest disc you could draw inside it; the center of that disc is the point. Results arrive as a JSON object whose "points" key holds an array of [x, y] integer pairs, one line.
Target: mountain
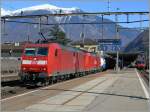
{"points": [[141, 43], [20, 32]]}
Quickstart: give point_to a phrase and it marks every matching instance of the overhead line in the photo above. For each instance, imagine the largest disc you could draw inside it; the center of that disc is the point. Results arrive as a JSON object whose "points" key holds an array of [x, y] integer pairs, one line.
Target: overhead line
{"points": [[72, 23], [74, 14]]}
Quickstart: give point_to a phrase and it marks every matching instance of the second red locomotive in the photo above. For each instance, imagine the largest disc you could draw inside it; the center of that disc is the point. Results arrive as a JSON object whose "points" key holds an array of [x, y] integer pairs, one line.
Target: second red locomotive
{"points": [[49, 62]]}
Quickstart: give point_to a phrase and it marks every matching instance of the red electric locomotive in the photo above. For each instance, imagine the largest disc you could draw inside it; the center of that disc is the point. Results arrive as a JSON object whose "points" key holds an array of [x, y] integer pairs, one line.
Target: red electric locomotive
{"points": [[49, 62], [140, 65]]}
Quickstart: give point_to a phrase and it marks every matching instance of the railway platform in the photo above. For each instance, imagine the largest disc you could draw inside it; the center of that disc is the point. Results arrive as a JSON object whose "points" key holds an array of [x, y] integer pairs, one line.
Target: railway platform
{"points": [[124, 91]]}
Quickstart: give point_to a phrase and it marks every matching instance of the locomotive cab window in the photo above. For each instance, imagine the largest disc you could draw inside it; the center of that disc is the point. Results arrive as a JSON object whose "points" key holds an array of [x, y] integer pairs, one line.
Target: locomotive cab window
{"points": [[42, 51], [30, 51]]}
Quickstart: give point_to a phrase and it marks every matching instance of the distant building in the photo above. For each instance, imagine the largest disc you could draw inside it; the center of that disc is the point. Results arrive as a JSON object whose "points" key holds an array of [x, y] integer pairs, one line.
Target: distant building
{"points": [[12, 49], [16, 43], [17, 46], [89, 45]]}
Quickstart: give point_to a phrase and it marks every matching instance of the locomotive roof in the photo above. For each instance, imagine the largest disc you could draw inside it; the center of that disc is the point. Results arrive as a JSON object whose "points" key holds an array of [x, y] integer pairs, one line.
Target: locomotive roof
{"points": [[70, 48], [36, 45], [76, 49]]}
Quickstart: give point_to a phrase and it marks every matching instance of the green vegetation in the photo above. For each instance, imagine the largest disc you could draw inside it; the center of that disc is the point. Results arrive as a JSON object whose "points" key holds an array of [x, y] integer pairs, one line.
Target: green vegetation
{"points": [[57, 35]]}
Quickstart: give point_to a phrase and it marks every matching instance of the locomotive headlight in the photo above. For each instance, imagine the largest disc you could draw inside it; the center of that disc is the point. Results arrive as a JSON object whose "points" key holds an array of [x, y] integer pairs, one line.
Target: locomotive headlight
{"points": [[42, 62], [24, 68], [44, 69]]}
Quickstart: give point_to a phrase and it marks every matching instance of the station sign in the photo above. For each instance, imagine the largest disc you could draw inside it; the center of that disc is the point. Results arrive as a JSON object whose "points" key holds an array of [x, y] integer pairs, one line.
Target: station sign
{"points": [[109, 45]]}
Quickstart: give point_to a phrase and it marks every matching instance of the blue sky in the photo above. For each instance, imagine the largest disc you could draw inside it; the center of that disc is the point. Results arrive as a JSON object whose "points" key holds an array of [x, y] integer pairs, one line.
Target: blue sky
{"points": [[89, 5], [86, 5]]}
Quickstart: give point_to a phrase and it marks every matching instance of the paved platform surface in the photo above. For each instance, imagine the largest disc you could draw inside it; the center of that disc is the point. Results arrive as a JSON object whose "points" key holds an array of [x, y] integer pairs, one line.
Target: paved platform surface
{"points": [[114, 92]]}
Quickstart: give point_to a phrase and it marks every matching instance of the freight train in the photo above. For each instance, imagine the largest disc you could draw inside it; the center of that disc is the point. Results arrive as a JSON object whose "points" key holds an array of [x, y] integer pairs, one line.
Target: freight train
{"points": [[49, 62]]}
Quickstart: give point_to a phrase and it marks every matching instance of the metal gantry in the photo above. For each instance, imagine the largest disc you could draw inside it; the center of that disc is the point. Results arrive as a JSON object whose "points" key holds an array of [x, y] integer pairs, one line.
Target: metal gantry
{"points": [[10, 19], [75, 14], [108, 5]]}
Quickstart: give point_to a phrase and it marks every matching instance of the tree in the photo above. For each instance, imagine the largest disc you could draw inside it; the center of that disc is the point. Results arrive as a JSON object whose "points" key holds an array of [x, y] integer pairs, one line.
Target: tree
{"points": [[57, 35]]}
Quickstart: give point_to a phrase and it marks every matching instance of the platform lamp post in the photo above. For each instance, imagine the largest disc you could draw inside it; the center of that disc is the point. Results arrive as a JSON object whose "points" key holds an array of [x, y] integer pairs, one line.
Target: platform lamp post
{"points": [[117, 37]]}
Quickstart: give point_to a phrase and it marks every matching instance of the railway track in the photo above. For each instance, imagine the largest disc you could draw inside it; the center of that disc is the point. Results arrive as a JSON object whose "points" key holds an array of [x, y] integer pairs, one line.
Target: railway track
{"points": [[14, 87]]}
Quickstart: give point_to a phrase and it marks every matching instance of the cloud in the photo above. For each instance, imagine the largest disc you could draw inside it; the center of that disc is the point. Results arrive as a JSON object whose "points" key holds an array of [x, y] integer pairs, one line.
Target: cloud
{"points": [[5, 12]]}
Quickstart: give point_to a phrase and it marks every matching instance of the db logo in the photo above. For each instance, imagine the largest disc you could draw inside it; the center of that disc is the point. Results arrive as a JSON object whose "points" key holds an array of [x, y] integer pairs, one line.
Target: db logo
{"points": [[34, 62]]}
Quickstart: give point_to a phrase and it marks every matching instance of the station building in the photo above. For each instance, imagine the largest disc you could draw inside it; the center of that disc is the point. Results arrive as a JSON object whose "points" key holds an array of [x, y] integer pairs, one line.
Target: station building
{"points": [[89, 45]]}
